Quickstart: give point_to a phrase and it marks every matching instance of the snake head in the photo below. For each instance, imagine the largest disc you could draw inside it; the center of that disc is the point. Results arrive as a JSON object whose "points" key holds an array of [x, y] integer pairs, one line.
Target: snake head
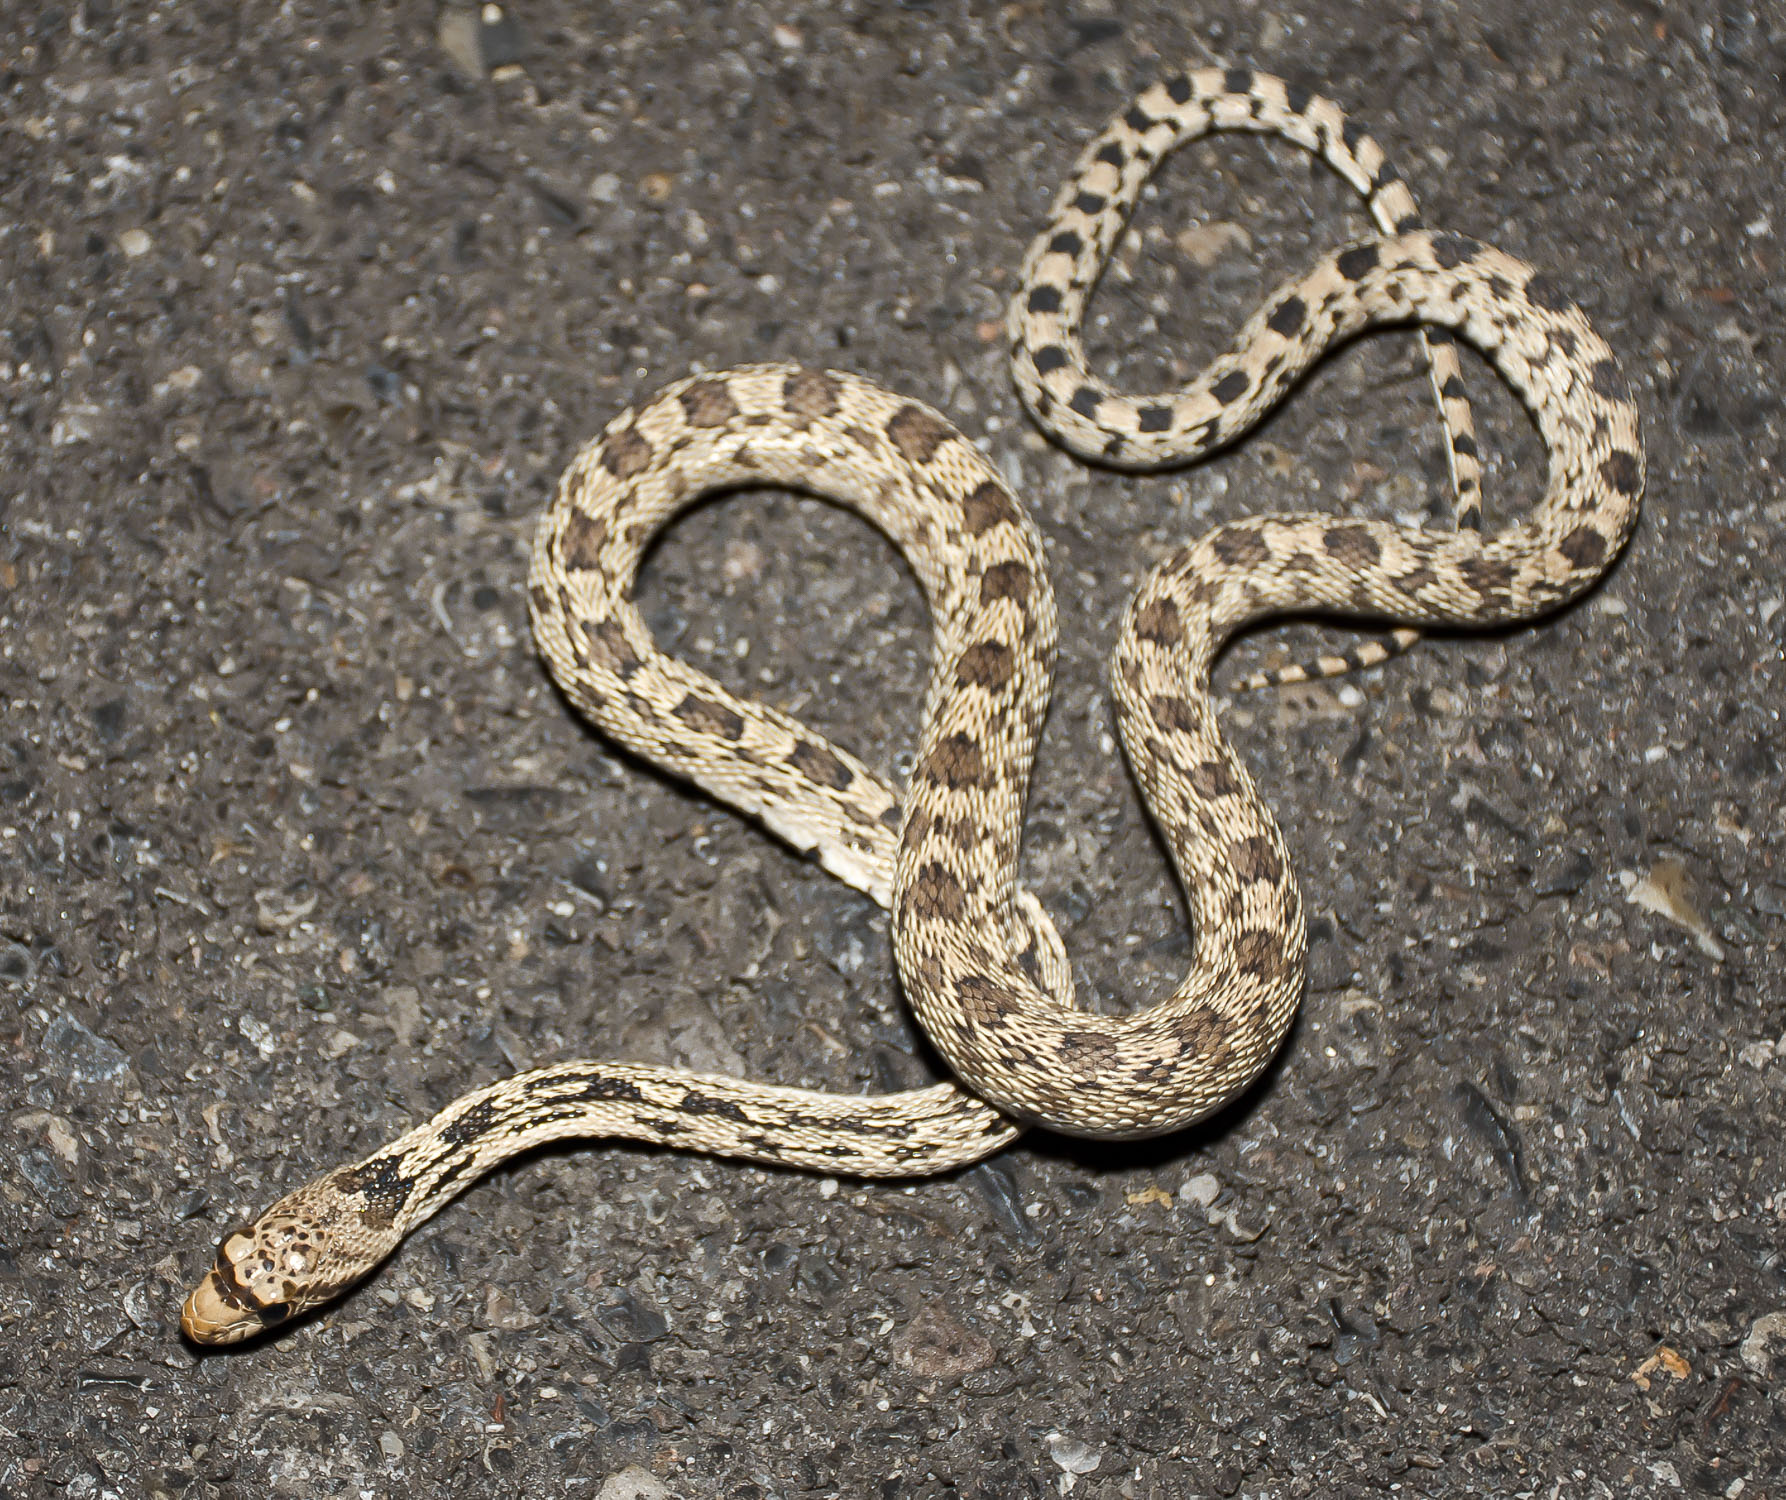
{"points": [[242, 1294], [306, 1250]]}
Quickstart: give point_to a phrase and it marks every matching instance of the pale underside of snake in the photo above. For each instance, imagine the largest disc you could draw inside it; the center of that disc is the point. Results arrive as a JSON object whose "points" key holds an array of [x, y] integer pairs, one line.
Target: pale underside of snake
{"points": [[979, 959]]}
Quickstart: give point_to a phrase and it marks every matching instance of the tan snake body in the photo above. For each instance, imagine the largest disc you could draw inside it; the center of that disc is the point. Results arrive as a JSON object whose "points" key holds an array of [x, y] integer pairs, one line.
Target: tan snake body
{"points": [[982, 964]]}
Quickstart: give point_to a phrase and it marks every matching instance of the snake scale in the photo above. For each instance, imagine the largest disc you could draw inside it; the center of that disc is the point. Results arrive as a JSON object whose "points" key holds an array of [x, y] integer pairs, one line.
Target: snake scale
{"points": [[980, 961]]}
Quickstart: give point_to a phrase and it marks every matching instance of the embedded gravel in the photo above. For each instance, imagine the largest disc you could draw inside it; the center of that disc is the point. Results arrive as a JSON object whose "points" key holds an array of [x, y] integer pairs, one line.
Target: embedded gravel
{"points": [[305, 306]]}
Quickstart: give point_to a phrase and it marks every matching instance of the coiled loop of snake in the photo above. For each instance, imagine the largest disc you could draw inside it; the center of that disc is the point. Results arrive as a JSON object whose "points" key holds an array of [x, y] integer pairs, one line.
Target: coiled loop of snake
{"points": [[982, 966]]}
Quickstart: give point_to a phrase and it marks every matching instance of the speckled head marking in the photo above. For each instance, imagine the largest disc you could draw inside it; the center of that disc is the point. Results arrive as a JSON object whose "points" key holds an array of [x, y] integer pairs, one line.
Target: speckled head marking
{"points": [[983, 966], [306, 1250]]}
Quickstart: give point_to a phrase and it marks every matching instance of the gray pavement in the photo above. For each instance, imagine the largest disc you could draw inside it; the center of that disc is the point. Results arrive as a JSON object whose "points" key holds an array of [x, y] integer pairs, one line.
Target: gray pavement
{"points": [[304, 308]]}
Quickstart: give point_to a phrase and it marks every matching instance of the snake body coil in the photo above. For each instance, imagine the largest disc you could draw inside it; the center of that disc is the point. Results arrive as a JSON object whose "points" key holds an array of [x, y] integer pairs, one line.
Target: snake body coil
{"points": [[981, 962]]}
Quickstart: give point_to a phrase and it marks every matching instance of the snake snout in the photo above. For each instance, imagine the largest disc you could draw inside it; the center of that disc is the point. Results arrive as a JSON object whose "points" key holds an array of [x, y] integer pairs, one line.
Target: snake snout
{"points": [[224, 1308], [215, 1314]]}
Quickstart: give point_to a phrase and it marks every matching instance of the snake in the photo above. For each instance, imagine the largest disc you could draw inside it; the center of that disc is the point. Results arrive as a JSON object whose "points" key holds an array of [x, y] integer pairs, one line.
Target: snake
{"points": [[981, 964]]}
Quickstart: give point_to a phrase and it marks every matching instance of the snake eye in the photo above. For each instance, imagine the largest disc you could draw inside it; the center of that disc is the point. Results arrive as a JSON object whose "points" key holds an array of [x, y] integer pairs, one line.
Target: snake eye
{"points": [[275, 1312]]}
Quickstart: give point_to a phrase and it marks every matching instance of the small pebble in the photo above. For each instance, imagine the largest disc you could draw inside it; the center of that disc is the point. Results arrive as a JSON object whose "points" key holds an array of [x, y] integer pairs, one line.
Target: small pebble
{"points": [[633, 1483], [83, 1057], [1072, 1455], [1202, 1190]]}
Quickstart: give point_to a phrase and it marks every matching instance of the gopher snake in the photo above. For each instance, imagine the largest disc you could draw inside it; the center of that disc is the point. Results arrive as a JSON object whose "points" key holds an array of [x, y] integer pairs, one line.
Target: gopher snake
{"points": [[981, 962]]}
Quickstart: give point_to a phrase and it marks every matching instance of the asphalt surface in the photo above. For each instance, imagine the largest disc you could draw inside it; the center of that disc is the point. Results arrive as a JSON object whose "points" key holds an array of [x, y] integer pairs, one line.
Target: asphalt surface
{"points": [[305, 306]]}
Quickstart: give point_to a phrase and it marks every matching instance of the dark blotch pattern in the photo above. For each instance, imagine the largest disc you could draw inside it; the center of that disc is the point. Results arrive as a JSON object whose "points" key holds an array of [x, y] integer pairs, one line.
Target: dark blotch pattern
{"points": [[1049, 358], [1158, 622], [611, 649], [1545, 293], [1584, 547], [1622, 471], [1352, 546], [1288, 318], [956, 762], [709, 717], [1214, 778], [1172, 713], [625, 453], [708, 403], [989, 1001], [1044, 299], [1090, 1050], [382, 1182], [1261, 954], [1357, 263], [986, 665], [696, 1103], [986, 507], [917, 829], [1492, 580], [936, 894], [811, 393], [818, 764], [1417, 580], [918, 433], [1231, 387], [1609, 382], [599, 1086], [1204, 1033], [1240, 546], [582, 539], [1006, 580], [1255, 858], [1453, 250]]}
